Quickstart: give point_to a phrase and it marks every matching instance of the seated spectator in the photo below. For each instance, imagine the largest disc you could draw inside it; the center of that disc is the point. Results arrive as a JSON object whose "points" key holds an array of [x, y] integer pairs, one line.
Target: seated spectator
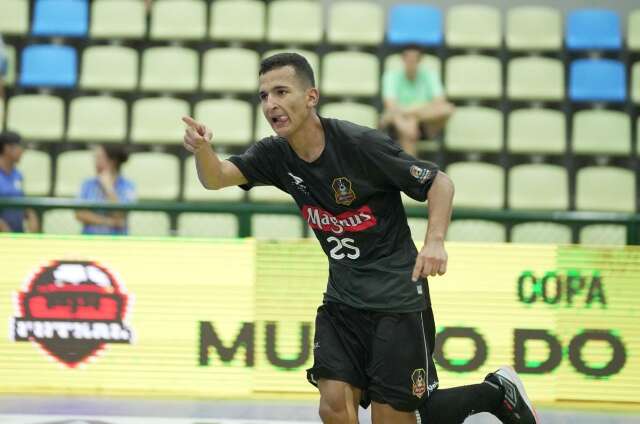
{"points": [[13, 220], [108, 186], [414, 104]]}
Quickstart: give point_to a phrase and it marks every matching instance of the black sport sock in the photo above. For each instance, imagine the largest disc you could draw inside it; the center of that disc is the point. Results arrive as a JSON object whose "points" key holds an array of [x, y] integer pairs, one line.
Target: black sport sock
{"points": [[453, 406]]}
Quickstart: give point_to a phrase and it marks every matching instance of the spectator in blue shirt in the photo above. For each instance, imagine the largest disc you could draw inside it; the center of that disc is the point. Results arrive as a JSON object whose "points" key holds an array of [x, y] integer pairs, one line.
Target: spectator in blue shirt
{"points": [[13, 220], [107, 187]]}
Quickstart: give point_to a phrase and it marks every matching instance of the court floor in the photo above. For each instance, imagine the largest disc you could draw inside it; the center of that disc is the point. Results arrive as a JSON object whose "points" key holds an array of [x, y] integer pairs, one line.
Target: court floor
{"points": [[100, 410]]}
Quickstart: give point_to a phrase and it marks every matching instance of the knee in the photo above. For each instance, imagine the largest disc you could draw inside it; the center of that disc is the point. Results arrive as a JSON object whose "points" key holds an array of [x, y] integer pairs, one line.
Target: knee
{"points": [[335, 413]]}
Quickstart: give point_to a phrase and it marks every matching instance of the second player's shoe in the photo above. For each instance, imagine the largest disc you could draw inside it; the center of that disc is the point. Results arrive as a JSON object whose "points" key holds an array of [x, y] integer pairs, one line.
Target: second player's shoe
{"points": [[516, 408]]}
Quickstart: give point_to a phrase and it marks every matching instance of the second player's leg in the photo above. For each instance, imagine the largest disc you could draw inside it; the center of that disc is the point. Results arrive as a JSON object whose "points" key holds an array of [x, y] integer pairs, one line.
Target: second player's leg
{"points": [[381, 413], [338, 402]]}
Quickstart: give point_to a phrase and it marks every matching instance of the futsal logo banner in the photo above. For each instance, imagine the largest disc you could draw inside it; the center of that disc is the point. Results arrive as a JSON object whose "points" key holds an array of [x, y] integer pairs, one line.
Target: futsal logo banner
{"points": [[72, 309]]}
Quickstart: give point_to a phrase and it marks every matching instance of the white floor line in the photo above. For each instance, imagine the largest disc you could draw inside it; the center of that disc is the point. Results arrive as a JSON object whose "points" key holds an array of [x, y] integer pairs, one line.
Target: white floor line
{"points": [[85, 419]]}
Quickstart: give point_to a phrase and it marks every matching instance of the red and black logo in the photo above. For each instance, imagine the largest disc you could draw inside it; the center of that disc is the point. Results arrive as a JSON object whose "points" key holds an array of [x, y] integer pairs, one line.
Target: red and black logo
{"points": [[72, 309]]}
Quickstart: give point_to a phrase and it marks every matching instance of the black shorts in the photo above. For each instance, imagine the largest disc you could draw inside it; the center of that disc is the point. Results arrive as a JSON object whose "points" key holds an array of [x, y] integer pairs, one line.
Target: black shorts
{"points": [[387, 355]]}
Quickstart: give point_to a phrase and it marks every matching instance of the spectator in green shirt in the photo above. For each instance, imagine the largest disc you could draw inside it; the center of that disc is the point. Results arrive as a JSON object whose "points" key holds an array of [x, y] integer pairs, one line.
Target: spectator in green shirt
{"points": [[414, 104]]}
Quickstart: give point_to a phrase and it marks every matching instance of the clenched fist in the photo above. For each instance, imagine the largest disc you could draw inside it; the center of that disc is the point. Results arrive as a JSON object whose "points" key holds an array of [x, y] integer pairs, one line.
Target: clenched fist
{"points": [[196, 135]]}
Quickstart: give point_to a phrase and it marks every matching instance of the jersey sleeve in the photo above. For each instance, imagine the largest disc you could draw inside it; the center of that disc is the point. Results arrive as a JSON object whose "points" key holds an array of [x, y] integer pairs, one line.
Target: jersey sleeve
{"points": [[257, 164], [391, 168]]}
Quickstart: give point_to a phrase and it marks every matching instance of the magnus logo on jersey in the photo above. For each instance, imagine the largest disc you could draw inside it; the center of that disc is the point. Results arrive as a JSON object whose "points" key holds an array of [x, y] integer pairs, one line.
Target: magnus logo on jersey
{"points": [[72, 309], [420, 174], [343, 191], [350, 221], [419, 380]]}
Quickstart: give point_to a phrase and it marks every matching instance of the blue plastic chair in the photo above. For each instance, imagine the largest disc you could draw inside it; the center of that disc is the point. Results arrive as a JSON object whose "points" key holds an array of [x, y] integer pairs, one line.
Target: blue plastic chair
{"points": [[62, 18], [414, 24], [593, 29], [597, 80], [47, 65]]}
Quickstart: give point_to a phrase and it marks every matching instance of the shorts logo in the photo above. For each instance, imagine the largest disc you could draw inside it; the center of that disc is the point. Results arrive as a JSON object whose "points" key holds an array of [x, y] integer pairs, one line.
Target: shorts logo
{"points": [[418, 377], [72, 309], [343, 191], [420, 174]]}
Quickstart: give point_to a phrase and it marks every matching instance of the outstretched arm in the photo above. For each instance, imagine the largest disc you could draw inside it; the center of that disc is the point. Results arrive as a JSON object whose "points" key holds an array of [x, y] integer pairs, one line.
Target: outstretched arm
{"points": [[432, 258], [212, 172]]}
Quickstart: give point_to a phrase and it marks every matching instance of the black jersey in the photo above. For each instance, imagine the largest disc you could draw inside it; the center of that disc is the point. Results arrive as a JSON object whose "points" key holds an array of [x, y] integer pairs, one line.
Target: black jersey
{"points": [[350, 198]]}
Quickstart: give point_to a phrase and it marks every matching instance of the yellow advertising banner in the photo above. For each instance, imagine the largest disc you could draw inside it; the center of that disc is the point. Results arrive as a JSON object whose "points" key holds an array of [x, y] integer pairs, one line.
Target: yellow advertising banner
{"points": [[234, 318]]}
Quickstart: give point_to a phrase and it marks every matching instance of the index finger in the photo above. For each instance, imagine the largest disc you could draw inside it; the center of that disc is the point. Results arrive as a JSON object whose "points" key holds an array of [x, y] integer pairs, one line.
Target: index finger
{"points": [[193, 124], [417, 269]]}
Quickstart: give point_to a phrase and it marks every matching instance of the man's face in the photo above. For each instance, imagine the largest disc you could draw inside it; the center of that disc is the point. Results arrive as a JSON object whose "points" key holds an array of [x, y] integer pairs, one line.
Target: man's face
{"points": [[286, 101], [411, 59], [13, 152]]}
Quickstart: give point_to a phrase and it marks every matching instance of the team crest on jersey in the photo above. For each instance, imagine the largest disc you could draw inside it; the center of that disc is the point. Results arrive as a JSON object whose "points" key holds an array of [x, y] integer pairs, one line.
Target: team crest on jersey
{"points": [[420, 174], [343, 191], [419, 380]]}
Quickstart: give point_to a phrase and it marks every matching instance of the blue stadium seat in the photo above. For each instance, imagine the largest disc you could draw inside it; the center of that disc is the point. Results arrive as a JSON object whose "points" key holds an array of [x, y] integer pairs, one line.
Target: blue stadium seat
{"points": [[63, 18], [597, 80], [415, 24], [45, 65], [593, 29]]}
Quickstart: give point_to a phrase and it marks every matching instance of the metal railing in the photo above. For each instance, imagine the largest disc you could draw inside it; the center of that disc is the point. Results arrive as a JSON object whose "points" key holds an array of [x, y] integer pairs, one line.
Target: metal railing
{"points": [[244, 211]]}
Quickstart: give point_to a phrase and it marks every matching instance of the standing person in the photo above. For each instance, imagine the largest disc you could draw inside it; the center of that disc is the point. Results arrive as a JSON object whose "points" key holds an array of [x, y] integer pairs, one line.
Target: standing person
{"points": [[374, 334], [11, 180], [107, 187], [414, 104]]}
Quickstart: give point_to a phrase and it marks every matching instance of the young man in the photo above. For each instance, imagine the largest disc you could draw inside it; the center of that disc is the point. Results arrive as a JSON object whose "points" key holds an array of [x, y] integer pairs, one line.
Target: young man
{"points": [[374, 332], [414, 104], [13, 220]]}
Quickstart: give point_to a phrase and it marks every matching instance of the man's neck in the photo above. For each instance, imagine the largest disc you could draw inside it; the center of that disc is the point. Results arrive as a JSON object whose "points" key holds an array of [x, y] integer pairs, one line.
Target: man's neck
{"points": [[6, 165], [308, 142]]}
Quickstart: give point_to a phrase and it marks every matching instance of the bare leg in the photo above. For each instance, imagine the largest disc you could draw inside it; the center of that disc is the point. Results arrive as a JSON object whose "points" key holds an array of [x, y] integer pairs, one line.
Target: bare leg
{"points": [[435, 115], [408, 132], [338, 402], [385, 414]]}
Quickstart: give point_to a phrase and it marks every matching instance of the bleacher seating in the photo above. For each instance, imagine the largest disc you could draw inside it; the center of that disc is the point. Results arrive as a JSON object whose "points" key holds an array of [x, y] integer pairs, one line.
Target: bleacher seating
{"points": [[510, 131], [533, 28], [536, 131], [45, 65], [60, 18], [415, 24], [178, 20], [601, 132], [229, 119], [237, 20], [345, 23], [38, 117], [597, 80], [97, 119], [593, 29], [113, 68], [117, 19], [294, 22], [14, 19], [155, 175], [473, 26]]}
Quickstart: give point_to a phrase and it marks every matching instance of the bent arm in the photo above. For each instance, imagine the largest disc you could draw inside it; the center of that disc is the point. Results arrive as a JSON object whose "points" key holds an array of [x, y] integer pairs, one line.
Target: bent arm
{"points": [[214, 173]]}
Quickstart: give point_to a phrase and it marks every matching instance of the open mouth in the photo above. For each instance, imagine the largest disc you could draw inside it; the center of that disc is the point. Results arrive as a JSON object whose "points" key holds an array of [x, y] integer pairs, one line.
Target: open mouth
{"points": [[279, 121]]}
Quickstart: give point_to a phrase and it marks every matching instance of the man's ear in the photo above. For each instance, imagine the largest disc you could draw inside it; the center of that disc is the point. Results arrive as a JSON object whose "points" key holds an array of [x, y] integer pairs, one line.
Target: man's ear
{"points": [[313, 96]]}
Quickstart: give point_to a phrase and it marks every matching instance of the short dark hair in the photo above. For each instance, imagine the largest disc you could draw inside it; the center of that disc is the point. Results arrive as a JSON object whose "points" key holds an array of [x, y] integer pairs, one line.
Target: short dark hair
{"points": [[117, 153], [296, 61], [8, 137]]}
